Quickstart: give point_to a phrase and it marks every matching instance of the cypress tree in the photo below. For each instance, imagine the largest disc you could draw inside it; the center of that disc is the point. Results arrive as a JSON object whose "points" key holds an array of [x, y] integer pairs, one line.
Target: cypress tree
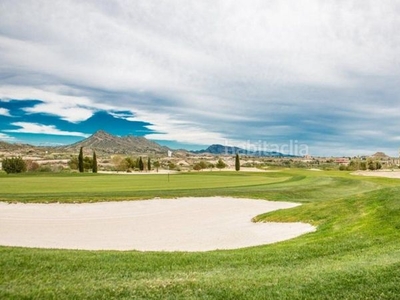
{"points": [[94, 162], [80, 161], [237, 162], [148, 164], [137, 165], [141, 165]]}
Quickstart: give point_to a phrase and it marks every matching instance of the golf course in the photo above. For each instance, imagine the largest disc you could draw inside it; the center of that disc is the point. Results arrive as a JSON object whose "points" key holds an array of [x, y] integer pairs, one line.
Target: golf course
{"points": [[353, 253]]}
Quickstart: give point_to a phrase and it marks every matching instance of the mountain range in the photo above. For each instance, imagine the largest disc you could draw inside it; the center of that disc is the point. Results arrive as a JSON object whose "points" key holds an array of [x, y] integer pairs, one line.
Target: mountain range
{"points": [[231, 150], [105, 143]]}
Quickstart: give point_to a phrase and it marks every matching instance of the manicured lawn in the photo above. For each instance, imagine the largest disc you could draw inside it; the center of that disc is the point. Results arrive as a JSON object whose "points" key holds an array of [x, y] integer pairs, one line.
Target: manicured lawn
{"points": [[85, 187], [354, 254]]}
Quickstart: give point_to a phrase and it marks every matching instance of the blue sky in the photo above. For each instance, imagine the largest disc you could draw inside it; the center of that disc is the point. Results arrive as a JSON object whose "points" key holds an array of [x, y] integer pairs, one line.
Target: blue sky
{"points": [[325, 74]]}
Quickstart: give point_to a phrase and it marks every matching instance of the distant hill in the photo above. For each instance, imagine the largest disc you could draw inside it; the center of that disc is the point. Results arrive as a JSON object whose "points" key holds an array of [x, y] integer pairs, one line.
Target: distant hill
{"points": [[230, 150], [17, 147], [380, 155], [103, 142]]}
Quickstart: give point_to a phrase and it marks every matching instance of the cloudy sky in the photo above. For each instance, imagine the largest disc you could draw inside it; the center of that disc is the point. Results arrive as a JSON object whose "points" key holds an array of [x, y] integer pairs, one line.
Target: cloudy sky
{"points": [[325, 74]]}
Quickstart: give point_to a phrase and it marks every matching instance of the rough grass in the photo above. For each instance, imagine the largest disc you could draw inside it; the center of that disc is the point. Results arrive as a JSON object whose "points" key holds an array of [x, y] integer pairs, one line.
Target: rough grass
{"points": [[354, 254]]}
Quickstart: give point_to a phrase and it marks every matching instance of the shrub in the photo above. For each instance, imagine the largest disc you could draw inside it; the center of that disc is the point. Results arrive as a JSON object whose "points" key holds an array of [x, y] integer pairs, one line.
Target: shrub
{"points": [[32, 166], [14, 165], [220, 164]]}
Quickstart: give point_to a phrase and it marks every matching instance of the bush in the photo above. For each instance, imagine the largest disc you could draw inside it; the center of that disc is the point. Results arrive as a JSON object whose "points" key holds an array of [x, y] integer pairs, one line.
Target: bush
{"points": [[14, 165], [220, 164], [32, 166], [197, 167], [73, 163]]}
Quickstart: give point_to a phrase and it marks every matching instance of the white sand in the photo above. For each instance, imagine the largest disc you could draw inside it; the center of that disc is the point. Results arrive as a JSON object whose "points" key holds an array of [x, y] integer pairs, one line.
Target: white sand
{"points": [[185, 224], [387, 174]]}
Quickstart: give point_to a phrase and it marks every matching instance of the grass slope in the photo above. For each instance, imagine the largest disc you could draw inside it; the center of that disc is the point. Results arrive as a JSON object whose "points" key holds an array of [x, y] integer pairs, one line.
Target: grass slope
{"points": [[354, 254]]}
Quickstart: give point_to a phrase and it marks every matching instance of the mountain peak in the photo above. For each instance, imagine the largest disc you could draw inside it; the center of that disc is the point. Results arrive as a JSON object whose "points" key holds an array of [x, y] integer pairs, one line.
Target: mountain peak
{"points": [[101, 133], [104, 142]]}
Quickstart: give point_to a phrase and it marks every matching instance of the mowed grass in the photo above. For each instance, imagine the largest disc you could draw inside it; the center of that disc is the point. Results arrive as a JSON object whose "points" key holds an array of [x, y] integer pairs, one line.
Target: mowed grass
{"points": [[98, 187], [354, 254]]}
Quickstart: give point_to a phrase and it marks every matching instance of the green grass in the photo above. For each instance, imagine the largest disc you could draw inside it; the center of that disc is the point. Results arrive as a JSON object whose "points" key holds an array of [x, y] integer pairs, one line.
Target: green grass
{"points": [[97, 187], [354, 254]]}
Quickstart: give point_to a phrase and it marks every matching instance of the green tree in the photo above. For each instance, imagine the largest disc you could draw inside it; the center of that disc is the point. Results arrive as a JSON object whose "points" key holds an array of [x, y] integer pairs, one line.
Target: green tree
{"points": [[81, 167], [237, 162], [220, 164], [73, 163], [197, 167], [87, 163], [141, 165], [171, 165], [371, 165], [148, 164], [94, 162], [354, 165], [156, 165], [14, 165], [122, 165], [203, 164], [137, 164], [131, 164]]}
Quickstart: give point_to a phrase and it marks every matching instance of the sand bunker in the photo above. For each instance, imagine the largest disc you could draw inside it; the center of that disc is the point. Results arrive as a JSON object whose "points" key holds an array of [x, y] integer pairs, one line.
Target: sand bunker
{"points": [[387, 174], [184, 224]]}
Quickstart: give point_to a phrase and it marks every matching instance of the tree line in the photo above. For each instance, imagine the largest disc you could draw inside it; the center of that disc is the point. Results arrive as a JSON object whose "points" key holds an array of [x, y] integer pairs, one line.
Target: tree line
{"points": [[85, 164], [356, 165], [201, 165]]}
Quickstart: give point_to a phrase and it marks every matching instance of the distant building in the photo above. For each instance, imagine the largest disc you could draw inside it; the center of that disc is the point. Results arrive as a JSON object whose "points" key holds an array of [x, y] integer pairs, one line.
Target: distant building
{"points": [[342, 161]]}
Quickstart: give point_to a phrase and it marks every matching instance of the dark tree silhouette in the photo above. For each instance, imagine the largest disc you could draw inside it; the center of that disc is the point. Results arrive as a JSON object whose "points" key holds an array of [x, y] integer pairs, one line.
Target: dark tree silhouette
{"points": [[237, 163], [94, 162], [141, 165], [80, 161]]}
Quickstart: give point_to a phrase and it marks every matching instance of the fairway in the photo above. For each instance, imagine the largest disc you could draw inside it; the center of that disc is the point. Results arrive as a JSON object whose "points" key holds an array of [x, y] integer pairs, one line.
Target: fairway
{"points": [[81, 187], [354, 254]]}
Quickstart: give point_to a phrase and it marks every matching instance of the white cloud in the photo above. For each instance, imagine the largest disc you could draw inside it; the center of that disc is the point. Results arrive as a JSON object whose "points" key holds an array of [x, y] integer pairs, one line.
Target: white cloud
{"points": [[4, 112], [68, 107], [202, 71], [43, 129], [7, 138], [170, 129]]}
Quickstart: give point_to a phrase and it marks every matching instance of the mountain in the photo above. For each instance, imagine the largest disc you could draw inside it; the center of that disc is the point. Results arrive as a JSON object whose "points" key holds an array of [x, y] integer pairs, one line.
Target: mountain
{"points": [[231, 150], [103, 142], [220, 149], [380, 155], [18, 149]]}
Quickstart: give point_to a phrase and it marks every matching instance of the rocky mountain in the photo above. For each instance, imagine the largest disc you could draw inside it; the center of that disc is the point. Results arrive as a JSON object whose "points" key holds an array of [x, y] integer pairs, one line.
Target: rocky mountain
{"points": [[230, 150], [19, 149], [103, 142]]}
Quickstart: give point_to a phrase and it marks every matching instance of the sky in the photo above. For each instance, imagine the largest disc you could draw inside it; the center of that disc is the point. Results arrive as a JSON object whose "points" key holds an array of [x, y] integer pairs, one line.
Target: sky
{"points": [[320, 75]]}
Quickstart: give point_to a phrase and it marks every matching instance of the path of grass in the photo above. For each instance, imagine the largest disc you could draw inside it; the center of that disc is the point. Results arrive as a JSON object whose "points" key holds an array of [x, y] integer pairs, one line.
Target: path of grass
{"points": [[355, 253]]}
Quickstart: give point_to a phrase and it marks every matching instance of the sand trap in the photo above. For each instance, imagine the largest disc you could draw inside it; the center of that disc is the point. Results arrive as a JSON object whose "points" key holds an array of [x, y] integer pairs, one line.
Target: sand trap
{"points": [[184, 224], [387, 174]]}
